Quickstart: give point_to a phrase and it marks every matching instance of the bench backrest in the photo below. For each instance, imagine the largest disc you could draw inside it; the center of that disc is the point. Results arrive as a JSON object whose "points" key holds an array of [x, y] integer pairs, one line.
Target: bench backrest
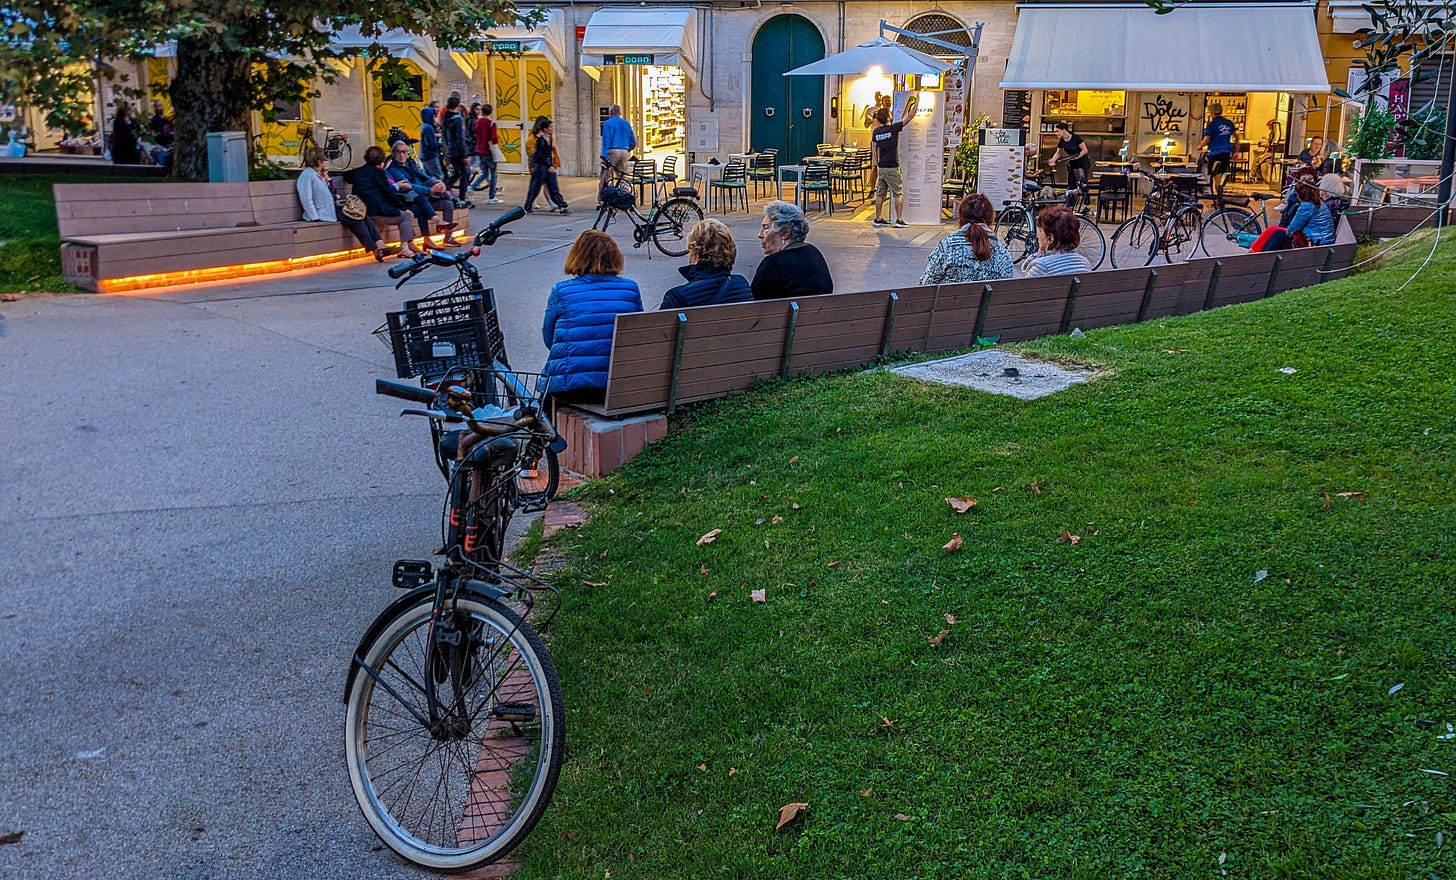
{"points": [[109, 208], [275, 201]]}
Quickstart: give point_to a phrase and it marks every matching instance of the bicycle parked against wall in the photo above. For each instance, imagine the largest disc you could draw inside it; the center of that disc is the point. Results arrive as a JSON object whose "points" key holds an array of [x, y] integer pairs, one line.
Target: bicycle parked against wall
{"points": [[1237, 225], [666, 224], [1170, 223], [337, 152], [455, 722], [1016, 224]]}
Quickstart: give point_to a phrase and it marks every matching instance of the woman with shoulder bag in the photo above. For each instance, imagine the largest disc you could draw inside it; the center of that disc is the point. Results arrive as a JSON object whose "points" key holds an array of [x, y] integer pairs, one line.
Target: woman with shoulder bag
{"points": [[322, 203], [385, 204], [544, 163]]}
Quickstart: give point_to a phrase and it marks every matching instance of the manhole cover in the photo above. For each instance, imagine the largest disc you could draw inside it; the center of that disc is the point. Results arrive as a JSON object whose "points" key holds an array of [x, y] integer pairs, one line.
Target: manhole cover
{"points": [[999, 372]]}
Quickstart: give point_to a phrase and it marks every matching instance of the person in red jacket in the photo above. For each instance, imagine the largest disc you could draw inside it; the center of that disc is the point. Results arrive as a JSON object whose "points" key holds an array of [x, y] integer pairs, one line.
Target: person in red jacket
{"points": [[487, 135]]}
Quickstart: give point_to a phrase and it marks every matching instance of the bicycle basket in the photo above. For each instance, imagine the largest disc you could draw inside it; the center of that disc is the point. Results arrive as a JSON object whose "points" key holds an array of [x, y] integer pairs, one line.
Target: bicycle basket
{"points": [[618, 198], [436, 336], [506, 388]]}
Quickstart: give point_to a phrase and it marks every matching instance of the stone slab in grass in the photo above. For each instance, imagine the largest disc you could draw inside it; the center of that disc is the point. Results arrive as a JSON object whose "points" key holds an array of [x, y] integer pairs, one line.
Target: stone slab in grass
{"points": [[998, 372]]}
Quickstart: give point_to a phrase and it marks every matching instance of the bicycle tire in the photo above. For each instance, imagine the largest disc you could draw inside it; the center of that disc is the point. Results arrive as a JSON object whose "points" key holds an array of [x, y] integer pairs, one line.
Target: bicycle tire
{"points": [[604, 218], [1135, 243], [344, 157], [1184, 240], [470, 795], [1222, 226], [1093, 244], [680, 214], [1017, 230], [538, 481]]}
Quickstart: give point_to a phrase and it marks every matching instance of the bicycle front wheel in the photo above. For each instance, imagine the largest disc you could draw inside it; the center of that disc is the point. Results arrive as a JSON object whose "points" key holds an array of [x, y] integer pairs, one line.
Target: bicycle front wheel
{"points": [[464, 787], [1185, 236], [670, 225], [340, 155], [604, 218], [1221, 230], [1014, 226], [1093, 244], [1134, 243], [538, 479]]}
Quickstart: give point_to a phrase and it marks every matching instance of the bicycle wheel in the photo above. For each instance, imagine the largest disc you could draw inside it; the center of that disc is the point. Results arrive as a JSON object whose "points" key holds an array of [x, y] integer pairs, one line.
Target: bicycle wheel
{"points": [[466, 789], [670, 225], [1015, 228], [604, 218], [340, 154], [1134, 243], [1185, 236], [1093, 244], [1221, 227]]}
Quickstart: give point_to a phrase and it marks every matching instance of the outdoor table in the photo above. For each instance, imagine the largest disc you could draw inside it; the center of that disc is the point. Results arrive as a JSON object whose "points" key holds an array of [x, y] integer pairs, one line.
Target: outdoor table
{"points": [[745, 158], [796, 170], [708, 171]]}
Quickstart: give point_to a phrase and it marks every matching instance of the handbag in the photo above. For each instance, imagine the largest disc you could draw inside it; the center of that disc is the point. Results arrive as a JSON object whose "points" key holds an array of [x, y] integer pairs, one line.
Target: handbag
{"points": [[495, 153], [353, 208]]}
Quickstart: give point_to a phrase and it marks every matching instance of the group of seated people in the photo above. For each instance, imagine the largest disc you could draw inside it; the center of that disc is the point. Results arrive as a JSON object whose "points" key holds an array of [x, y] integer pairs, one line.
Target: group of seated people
{"points": [[974, 253], [1307, 217]]}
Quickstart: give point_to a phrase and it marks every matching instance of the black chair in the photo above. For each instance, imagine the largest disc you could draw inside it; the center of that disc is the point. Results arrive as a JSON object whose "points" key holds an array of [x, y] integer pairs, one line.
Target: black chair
{"points": [[952, 190], [763, 170], [734, 180], [816, 181], [1114, 197], [642, 174], [668, 174]]}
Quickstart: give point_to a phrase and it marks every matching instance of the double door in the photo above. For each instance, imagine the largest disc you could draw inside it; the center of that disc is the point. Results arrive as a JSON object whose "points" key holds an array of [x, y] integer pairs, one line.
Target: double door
{"points": [[786, 112], [519, 87]]}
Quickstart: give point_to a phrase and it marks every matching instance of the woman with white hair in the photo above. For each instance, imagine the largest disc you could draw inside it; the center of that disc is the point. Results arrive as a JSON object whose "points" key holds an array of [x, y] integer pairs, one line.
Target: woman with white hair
{"points": [[792, 267]]}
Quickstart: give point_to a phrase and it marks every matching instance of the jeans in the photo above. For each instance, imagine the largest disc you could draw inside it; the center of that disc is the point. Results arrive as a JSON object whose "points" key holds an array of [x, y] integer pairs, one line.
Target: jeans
{"points": [[488, 173], [432, 167], [459, 176], [542, 175]]}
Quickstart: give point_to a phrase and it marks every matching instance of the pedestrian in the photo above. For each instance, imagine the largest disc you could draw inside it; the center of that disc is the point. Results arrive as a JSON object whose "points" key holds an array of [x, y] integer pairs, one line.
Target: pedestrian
{"points": [[973, 252], [791, 266], [426, 195], [1058, 232], [577, 326], [545, 162], [1218, 140], [320, 200], [1074, 154], [885, 141], [618, 142], [430, 143], [163, 133], [455, 150], [709, 272], [472, 158], [487, 146], [124, 147]]}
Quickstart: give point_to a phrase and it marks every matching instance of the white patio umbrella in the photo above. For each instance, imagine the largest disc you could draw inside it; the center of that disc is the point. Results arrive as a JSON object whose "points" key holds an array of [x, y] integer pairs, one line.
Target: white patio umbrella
{"points": [[889, 56]]}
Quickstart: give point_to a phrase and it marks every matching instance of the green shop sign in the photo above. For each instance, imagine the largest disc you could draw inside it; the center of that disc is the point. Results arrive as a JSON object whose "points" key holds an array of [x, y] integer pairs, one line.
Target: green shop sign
{"points": [[627, 59]]}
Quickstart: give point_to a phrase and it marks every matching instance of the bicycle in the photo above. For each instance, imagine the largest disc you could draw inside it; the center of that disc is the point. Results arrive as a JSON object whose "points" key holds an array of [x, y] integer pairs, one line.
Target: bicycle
{"points": [[666, 224], [1016, 223], [1170, 223], [454, 718], [1237, 224], [337, 152]]}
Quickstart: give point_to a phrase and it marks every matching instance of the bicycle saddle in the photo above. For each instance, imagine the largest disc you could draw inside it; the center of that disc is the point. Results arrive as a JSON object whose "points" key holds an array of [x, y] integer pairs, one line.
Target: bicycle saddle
{"points": [[689, 191], [1031, 187], [1263, 196]]}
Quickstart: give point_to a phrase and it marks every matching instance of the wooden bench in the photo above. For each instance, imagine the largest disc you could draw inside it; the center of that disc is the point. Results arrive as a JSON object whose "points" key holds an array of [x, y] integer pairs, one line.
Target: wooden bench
{"points": [[119, 236]]}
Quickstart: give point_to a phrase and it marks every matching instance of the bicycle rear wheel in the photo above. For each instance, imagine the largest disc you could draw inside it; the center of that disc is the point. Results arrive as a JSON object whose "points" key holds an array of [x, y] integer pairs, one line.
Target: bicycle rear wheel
{"points": [[1014, 226], [1134, 243], [1093, 244], [670, 225], [340, 154], [466, 789], [1221, 228], [1185, 236]]}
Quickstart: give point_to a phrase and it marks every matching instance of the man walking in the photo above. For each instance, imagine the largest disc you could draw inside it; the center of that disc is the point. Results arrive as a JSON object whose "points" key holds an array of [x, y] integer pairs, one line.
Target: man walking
{"points": [[455, 150], [487, 136], [1218, 140], [885, 140], [618, 142]]}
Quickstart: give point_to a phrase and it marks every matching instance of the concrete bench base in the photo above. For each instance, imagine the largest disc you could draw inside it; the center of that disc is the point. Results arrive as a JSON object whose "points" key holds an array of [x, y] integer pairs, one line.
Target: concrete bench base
{"points": [[596, 445]]}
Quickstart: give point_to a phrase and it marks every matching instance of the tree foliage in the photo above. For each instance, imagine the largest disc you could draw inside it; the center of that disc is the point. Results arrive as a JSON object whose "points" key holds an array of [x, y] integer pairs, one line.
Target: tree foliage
{"points": [[233, 56]]}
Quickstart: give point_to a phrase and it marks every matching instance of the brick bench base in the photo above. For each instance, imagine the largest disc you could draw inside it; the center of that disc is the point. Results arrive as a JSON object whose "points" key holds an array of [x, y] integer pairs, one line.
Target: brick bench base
{"points": [[596, 445]]}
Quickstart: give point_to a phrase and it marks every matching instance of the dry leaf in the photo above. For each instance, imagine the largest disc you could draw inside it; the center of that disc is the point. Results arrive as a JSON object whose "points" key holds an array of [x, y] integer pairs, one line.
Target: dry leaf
{"points": [[961, 505], [710, 537], [953, 544], [864, 792], [759, 596], [604, 554], [788, 813], [834, 564], [1358, 496], [702, 768], [1076, 539], [887, 721], [777, 519], [1035, 488], [794, 460], [1067, 537], [595, 583], [999, 489], [950, 619], [732, 771], [1326, 496], [795, 505], [713, 595], [902, 817], [703, 569], [936, 639]]}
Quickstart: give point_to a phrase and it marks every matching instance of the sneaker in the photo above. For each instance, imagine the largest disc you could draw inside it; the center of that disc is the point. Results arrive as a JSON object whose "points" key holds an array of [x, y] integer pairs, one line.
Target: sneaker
{"points": [[879, 222], [461, 203], [493, 202], [901, 223]]}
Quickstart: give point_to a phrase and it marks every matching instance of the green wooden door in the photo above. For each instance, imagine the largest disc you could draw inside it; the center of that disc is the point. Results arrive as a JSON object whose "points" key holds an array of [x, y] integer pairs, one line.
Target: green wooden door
{"points": [[786, 111]]}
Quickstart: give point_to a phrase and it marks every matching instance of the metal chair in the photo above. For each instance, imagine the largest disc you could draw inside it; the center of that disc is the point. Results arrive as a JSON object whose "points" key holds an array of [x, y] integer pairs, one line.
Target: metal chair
{"points": [[1114, 197], [849, 177], [668, 174], [642, 175], [816, 181], [734, 180], [762, 171]]}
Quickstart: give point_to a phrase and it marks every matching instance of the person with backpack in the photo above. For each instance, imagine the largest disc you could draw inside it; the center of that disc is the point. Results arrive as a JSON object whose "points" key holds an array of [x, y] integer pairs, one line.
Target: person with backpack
{"points": [[458, 177]]}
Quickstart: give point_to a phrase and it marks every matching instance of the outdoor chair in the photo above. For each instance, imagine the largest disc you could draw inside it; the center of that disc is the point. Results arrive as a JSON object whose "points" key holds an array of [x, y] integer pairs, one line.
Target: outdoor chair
{"points": [[642, 175], [849, 177], [765, 166], [952, 190], [816, 182], [1114, 197], [824, 149], [668, 174], [734, 180]]}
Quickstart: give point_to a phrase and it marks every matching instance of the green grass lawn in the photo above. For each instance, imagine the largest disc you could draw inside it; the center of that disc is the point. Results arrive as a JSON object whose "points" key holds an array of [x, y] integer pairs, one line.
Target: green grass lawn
{"points": [[1238, 668], [30, 246]]}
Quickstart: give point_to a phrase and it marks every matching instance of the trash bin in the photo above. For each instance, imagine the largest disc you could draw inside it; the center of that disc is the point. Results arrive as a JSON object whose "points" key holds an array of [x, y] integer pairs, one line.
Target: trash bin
{"points": [[227, 156]]}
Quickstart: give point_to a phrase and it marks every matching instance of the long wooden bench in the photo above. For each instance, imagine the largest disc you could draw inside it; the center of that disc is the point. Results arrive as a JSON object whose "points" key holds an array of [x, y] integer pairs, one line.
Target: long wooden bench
{"points": [[120, 236]]}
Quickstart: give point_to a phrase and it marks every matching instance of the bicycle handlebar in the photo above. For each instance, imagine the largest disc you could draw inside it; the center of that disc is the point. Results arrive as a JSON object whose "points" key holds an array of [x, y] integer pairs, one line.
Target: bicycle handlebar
{"points": [[403, 391]]}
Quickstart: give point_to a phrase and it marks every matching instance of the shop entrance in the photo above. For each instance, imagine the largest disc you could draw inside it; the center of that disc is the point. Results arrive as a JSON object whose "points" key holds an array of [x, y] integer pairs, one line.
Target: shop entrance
{"points": [[654, 100], [519, 87], [786, 112]]}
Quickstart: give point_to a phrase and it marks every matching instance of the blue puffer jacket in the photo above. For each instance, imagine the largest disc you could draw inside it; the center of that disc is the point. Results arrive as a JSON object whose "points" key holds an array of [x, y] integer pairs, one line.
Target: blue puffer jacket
{"points": [[578, 328], [429, 135], [707, 286]]}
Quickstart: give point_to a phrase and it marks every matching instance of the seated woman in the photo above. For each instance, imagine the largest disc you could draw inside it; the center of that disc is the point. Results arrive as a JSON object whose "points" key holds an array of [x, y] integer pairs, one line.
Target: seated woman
{"points": [[580, 313], [792, 266], [425, 194], [1058, 231], [971, 253], [320, 200], [711, 254], [1311, 225], [385, 204]]}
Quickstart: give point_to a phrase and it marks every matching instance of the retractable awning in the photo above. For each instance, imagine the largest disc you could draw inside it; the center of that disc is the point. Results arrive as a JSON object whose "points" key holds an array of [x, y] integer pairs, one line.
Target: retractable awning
{"points": [[1216, 47], [398, 43], [547, 38], [661, 35]]}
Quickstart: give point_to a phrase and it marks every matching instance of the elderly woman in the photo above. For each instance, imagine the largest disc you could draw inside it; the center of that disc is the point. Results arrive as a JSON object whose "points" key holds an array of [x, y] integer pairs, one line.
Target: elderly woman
{"points": [[711, 254], [791, 266], [580, 314], [319, 198], [971, 253], [1058, 231], [385, 204]]}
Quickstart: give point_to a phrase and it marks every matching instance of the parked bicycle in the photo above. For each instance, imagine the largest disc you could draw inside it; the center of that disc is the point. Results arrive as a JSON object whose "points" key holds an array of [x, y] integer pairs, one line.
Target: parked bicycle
{"points": [[666, 224], [1170, 223], [337, 152], [1237, 224], [455, 722], [1016, 224]]}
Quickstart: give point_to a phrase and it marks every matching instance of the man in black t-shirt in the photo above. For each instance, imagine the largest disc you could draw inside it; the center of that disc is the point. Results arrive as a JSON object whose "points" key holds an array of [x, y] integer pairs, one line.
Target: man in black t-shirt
{"points": [[885, 140], [1075, 150]]}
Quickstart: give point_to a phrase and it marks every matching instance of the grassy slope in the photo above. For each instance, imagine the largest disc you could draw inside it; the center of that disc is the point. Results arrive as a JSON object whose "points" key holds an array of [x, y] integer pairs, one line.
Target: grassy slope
{"points": [[30, 246], [1132, 706]]}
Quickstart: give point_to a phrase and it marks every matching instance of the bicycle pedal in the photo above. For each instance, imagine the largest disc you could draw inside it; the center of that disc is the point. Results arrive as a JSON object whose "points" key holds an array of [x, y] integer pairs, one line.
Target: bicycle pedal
{"points": [[515, 713], [534, 506], [410, 573]]}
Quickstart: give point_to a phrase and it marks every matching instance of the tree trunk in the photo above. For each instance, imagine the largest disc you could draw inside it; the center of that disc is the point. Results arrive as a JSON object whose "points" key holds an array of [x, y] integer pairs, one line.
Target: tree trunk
{"points": [[209, 93]]}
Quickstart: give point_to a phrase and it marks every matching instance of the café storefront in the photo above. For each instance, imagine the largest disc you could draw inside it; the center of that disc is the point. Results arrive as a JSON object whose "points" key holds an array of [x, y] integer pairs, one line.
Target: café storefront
{"points": [[649, 57], [1138, 85]]}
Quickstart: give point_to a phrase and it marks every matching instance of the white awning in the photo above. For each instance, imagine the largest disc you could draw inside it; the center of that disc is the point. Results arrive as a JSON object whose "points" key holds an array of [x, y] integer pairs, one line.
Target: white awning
{"points": [[548, 38], [661, 35], [1217, 47], [398, 43]]}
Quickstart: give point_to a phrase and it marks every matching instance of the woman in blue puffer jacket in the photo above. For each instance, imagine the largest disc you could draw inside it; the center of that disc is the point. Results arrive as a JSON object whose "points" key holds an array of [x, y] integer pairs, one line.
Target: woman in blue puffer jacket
{"points": [[580, 314]]}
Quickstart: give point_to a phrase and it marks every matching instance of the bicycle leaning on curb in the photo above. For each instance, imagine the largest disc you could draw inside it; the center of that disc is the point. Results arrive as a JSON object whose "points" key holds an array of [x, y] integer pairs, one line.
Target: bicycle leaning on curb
{"points": [[666, 223]]}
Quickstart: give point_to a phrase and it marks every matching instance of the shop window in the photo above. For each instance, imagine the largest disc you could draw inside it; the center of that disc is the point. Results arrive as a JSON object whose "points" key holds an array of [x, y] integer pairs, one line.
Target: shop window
{"points": [[287, 110], [407, 88], [1084, 102]]}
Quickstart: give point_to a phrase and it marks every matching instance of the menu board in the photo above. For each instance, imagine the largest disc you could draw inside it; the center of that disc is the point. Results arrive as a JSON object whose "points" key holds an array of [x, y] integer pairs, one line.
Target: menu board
{"points": [[920, 156], [1016, 108], [954, 94], [1001, 167]]}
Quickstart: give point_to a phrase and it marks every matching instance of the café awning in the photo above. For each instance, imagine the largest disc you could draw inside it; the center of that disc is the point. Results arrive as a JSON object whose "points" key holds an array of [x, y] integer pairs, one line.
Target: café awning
{"points": [[547, 38], [661, 35], [1195, 48], [396, 42]]}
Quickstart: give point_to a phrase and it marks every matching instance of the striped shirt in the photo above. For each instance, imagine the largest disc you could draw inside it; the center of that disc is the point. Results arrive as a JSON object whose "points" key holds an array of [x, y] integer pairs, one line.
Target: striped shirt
{"points": [[1054, 263]]}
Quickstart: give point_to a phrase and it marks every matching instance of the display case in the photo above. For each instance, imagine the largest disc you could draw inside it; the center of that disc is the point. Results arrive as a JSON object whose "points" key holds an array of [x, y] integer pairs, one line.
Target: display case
{"points": [[664, 103]]}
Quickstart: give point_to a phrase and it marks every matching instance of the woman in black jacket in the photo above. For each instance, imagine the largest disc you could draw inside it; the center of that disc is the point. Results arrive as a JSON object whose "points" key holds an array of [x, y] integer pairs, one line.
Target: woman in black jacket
{"points": [[383, 200], [711, 254], [544, 166]]}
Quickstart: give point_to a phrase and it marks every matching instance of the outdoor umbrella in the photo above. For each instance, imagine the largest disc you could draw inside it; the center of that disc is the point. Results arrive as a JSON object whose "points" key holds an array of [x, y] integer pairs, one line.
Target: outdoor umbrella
{"points": [[890, 57]]}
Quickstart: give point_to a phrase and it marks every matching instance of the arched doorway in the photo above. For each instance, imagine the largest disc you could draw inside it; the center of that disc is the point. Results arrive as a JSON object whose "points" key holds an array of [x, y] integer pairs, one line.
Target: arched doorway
{"points": [[786, 112]]}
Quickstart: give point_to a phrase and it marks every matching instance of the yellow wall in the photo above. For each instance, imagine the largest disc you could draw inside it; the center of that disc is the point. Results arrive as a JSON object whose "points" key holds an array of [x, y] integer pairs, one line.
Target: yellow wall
{"points": [[405, 114]]}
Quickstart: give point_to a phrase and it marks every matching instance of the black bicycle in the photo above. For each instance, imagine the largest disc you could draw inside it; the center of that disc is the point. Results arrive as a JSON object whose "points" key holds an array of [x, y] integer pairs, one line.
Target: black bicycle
{"points": [[455, 722], [666, 224], [1016, 223]]}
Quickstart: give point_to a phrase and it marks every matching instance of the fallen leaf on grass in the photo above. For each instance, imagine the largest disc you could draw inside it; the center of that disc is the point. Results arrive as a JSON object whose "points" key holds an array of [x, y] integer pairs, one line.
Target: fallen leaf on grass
{"points": [[953, 544], [732, 771], [1035, 488], [1222, 857], [788, 813], [794, 460], [702, 768], [1358, 496], [712, 595], [834, 564], [864, 792], [794, 506], [961, 505], [760, 597], [1260, 575], [604, 554], [11, 837], [1395, 689], [710, 537], [777, 519], [902, 817], [703, 569], [1067, 537], [950, 619], [887, 722], [936, 639]]}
